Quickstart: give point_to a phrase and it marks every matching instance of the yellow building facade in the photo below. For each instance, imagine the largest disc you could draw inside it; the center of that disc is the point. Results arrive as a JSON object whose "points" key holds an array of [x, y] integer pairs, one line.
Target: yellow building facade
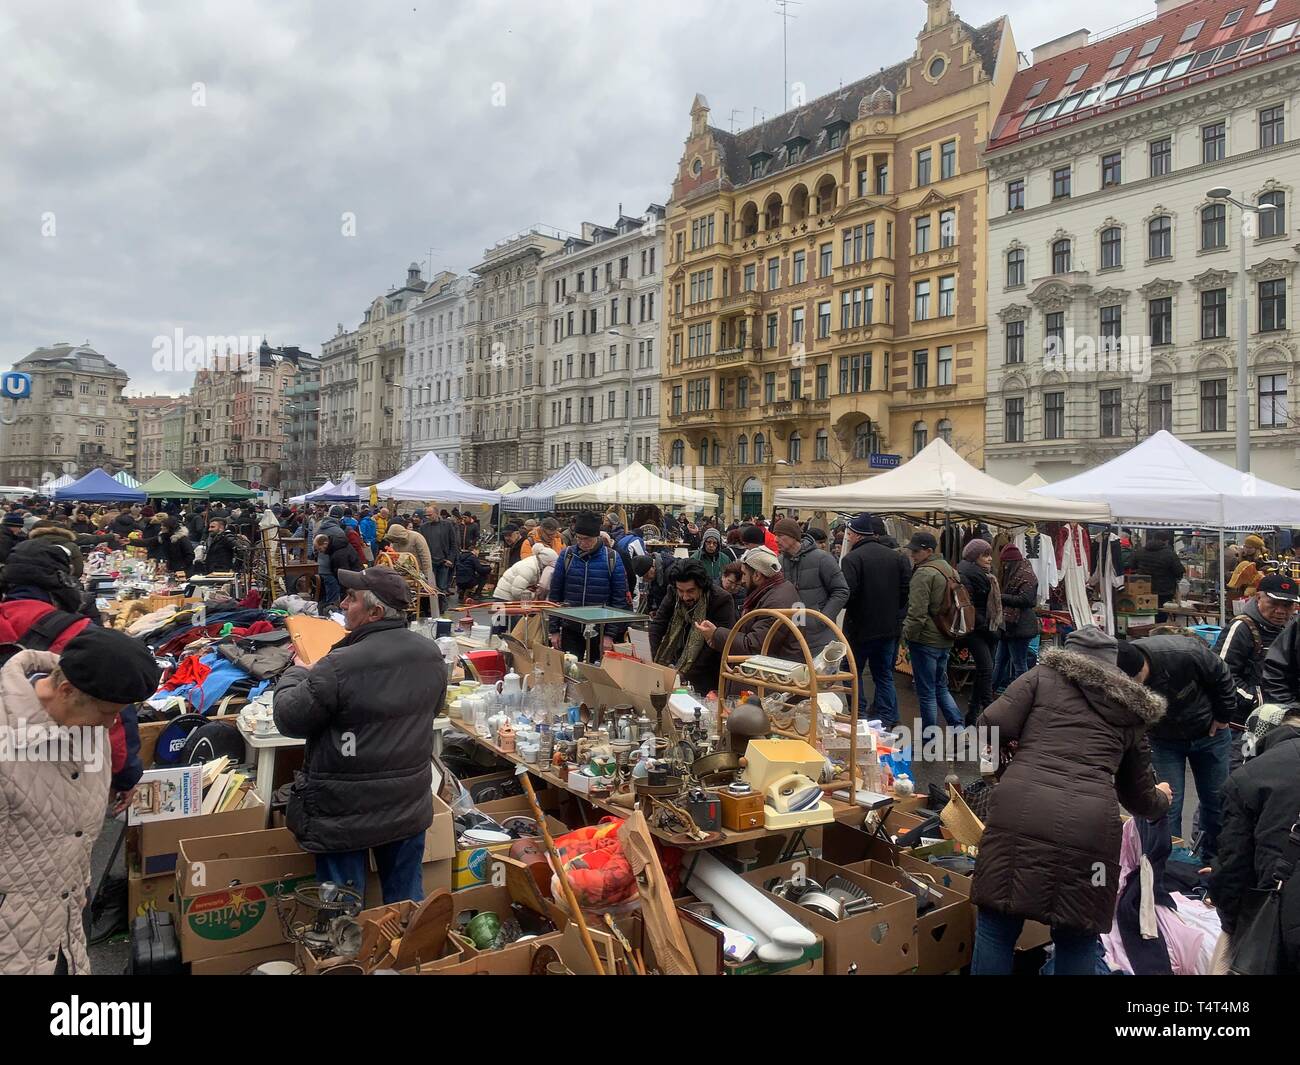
{"points": [[825, 287]]}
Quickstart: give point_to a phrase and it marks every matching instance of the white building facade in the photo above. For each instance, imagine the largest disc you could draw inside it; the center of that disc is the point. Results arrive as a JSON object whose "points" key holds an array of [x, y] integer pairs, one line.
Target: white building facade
{"points": [[1105, 246], [600, 396], [433, 393]]}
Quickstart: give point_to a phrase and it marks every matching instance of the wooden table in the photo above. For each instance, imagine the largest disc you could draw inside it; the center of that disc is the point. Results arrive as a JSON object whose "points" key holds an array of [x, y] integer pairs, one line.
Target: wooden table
{"points": [[845, 813]]}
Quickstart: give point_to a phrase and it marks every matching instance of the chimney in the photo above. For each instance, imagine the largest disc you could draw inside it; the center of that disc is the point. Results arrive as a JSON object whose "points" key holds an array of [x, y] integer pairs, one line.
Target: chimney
{"points": [[1068, 43]]}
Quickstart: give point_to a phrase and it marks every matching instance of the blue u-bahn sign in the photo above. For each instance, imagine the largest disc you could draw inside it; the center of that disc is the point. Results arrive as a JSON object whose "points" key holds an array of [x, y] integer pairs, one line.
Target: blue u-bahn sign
{"points": [[16, 385]]}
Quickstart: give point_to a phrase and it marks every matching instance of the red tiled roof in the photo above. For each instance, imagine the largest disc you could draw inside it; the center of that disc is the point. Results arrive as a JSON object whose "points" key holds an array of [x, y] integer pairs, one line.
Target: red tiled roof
{"points": [[1023, 103]]}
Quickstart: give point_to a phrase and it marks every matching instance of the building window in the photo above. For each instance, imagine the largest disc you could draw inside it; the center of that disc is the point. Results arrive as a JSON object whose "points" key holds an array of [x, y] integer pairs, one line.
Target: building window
{"points": [[923, 167], [773, 274], [1110, 248], [1160, 408], [824, 269], [1054, 415], [1013, 431], [771, 330], [800, 267], [1214, 314], [769, 387], [944, 366], [823, 319], [742, 450], [1272, 223], [1015, 343], [1214, 405], [823, 380], [947, 159], [1214, 226], [947, 228], [1160, 320], [1271, 127], [1061, 256], [795, 448], [760, 449], [1061, 183], [922, 301], [749, 282], [1111, 412], [922, 234], [1213, 142], [882, 179], [1016, 195], [676, 403], [1015, 267], [677, 454], [1054, 334], [1272, 305], [742, 393], [796, 325], [1161, 154], [920, 369], [1160, 237], [947, 291], [920, 437], [864, 442], [1110, 328], [1110, 170], [1272, 401], [821, 446]]}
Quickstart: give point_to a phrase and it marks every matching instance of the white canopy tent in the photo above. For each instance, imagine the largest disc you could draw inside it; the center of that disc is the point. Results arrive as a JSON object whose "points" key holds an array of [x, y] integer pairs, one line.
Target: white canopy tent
{"points": [[1163, 481], [636, 484], [1031, 482], [508, 487], [429, 480], [938, 480], [327, 486]]}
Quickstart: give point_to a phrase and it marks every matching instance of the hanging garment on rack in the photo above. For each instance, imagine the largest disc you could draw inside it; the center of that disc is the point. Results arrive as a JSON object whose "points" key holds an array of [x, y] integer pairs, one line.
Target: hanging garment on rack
{"points": [[1041, 553], [1108, 576], [950, 543], [1074, 572]]}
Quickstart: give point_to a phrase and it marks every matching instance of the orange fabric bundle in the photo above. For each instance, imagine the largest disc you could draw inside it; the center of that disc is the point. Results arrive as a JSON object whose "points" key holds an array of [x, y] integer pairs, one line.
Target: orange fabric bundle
{"points": [[598, 871]]}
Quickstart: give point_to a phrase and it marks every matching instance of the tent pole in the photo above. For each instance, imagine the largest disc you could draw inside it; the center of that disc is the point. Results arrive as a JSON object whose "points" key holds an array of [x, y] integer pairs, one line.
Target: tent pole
{"points": [[1223, 581]]}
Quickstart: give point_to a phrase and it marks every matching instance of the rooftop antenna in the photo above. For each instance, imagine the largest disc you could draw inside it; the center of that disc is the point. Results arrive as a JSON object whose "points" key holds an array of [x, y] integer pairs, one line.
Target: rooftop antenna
{"points": [[783, 9], [734, 112]]}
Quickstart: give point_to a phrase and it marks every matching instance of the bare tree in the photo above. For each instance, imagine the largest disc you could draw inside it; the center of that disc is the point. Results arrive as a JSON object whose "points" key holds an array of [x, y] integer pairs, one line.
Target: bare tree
{"points": [[333, 461], [839, 465], [388, 461]]}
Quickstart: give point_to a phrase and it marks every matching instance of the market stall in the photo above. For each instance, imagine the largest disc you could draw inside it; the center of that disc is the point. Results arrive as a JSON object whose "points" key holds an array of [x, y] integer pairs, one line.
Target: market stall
{"points": [[125, 478], [345, 491], [166, 485], [429, 480], [541, 496], [98, 487], [636, 484]]}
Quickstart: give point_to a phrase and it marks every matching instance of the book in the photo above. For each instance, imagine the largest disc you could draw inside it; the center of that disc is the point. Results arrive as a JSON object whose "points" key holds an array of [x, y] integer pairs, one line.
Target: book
{"points": [[163, 794]]}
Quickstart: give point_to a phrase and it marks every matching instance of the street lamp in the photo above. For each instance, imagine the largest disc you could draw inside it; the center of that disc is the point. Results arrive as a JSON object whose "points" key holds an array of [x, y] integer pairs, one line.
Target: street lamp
{"points": [[627, 436], [1224, 195]]}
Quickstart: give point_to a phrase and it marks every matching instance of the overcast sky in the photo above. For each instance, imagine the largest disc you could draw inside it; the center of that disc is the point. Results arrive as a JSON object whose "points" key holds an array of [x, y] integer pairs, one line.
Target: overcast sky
{"points": [[189, 165]]}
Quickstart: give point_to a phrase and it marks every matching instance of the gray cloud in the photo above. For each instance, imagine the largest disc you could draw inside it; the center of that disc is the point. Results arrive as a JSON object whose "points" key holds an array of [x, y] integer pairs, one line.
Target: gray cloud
{"points": [[225, 219]]}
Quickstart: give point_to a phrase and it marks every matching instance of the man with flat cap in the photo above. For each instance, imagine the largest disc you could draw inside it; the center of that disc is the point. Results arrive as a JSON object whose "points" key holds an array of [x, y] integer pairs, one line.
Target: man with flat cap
{"points": [[55, 765], [366, 710]]}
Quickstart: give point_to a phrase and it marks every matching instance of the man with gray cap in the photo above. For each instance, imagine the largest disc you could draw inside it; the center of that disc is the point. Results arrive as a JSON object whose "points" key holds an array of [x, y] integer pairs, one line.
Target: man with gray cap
{"points": [[366, 710], [877, 578], [55, 766]]}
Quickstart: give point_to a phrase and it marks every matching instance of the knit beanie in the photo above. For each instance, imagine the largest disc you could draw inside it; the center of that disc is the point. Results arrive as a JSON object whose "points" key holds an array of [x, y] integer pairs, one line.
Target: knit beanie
{"points": [[1129, 658], [976, 549]]}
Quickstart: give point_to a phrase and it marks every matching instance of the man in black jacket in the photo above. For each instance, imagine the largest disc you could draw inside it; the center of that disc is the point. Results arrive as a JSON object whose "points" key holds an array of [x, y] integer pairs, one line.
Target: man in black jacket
{"points": [[219, 556], [675, 641], [1280, 673], [1195, 730], [1157, 559], [1246, 641], [1260, 802], [879, 579], [366, 711], [442, 536]]}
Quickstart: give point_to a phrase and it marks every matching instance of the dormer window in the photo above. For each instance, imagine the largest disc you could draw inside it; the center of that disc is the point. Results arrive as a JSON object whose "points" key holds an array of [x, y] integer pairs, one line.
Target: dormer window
{"points": [[836, 134], [758, 164], [794, 149]]}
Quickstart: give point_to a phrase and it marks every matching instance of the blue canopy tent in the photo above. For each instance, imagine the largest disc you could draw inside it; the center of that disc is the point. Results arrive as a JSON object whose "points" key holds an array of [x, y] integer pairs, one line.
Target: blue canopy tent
{"points": [[98, 487], [541, 496], [346, 491]]}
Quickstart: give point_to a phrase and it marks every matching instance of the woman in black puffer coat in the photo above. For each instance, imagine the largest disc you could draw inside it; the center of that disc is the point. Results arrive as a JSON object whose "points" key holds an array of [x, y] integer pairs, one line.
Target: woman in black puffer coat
{"points": [[1019, 619], [976, 573]]}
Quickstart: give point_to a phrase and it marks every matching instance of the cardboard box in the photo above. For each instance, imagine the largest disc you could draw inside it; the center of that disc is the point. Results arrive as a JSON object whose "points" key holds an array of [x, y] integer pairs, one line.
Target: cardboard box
{"points": [[946, 934], [436, 876], [898, 823], [311, 965], [706, 949], [157, 843], [226, 886], [473, 866], [1126, 603], [146, 894], [880, 942], [1136, 584], [624, 682], [517, 958], [237, 964]]}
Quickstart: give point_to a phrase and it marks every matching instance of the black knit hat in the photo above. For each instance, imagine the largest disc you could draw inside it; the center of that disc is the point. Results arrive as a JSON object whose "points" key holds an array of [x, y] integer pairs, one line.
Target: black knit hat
{"points": [[109, 666], [1130, 658], [587, 524]]}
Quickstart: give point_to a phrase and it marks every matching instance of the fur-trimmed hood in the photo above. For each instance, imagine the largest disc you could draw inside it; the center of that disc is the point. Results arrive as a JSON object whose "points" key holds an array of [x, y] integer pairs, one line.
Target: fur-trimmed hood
{"points": [[1108, 690], [57, 531]]}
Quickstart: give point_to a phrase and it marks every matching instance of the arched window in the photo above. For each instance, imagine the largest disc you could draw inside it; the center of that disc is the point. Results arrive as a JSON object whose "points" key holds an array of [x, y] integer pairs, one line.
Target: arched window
{"points": [[704, 452], [1015, 267], [821, 447], [945, 431], [1273, 223], [920, 437], [1110, 247], [1160, 237], [1214, 226], [795, 447], [677, 454], [1061, 256], [742, 450], [864, 441], [760, 448]]}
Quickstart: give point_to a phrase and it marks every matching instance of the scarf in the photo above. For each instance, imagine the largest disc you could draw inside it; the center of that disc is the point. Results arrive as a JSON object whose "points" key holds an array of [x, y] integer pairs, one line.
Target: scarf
{"points": [[994, 605], [683, 642]]}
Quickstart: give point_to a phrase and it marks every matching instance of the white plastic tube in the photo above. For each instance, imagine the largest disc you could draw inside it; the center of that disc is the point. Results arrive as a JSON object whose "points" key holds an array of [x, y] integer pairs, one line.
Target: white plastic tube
{"points": [[772, 921], [733, 918]]}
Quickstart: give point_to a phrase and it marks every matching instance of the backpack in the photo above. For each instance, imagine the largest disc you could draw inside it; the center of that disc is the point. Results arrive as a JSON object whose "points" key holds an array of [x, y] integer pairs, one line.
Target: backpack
{"points": [[42, 634], [955, 617], [571, 551]]}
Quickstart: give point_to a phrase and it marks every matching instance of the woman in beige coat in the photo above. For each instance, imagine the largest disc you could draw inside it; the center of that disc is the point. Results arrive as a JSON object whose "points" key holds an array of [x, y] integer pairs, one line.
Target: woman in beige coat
{"points": [[53, 796], [412, 543]]}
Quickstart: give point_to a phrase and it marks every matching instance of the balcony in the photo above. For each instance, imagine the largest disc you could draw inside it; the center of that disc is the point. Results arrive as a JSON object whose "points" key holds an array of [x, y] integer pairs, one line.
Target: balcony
{"points": [[702, 309], [881, 266], [786, 408], [743, 301], [861, 334]]}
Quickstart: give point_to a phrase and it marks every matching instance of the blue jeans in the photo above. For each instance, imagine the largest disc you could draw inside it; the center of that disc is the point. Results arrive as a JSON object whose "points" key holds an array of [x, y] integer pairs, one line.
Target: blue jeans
{"points": [[930, 676], [995, 947], [879, 656], [401, 872], [1012, 660], [330, 592], [1208, 757]]}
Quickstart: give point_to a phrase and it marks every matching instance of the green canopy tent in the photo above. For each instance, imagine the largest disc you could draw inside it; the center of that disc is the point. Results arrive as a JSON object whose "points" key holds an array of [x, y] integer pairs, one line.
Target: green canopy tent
{"points": [[220, 488], [207, 479], [167, 485]]}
